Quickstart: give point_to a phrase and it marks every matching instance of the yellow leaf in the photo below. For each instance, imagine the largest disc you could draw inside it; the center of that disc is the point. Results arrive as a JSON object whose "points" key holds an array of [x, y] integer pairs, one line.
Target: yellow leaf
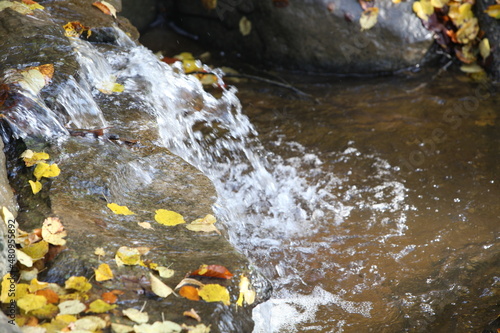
{"points": [[157, 326], [8, 288], [184, 56], [246, 294], [136, 315], [66, 318], [158, 287], [145, 225], [165, 272], [484, 48], [53, 231], [493, 11], [368, 18], [71, 307], [120, 210], [423, 9], [103, 273], [48, 311], [111, 86], [200, 328], [33, 80], [24, 259], [168, 217], [79, 283], [191, 65], [119, 328], [37, 250], [245, 26], [31, 158], [99, 306], [468, 31], [35, 186], [35, 285], [99, 251], [205, 224], [31, 302], [214, 293], [90, 323], [209, 4], [439, 3], [472, 68], [43, 169], [127, 256]]}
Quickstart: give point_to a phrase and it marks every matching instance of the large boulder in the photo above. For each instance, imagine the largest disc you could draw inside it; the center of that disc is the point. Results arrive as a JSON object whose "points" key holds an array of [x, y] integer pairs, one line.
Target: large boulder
{"points": [[314, 35]]}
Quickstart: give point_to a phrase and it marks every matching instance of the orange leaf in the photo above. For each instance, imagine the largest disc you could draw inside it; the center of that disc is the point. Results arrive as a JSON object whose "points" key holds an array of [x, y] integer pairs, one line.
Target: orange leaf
{"points": [[117, 292], [216, 271], [109, 297], [105, 7], [49, 294], [189, 292]]}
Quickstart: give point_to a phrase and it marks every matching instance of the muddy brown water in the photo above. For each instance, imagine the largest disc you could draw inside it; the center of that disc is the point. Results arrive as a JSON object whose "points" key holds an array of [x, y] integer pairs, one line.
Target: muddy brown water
{"points": [[415, 163]]}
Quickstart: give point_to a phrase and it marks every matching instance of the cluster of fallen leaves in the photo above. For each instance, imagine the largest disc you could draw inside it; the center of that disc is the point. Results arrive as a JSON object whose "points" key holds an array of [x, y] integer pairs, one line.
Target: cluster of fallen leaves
{"points": [[25, 7], [75, 307], [457, 31], [41, 170]]}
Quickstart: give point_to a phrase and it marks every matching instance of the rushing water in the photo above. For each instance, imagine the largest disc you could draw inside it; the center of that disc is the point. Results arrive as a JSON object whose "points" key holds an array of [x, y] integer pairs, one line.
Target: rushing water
{"points": [[374, 208]]}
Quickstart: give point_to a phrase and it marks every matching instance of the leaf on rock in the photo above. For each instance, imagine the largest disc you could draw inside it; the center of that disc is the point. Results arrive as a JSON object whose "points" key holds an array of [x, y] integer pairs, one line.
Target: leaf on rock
{"points": [[245, 26], [205, 224], [168, 217], [127, 256], [192, 314], [190, 293], [423, 9], [71, 307], [103, 273], [105, 7], [99, 251], [35, 186], [76, 29], [47, 311], [53, 231], [468, 31], [120, 210], [158, 326], [246, 294], [158, 287], [33, 5], [136, 315], [31, 158], [484, 48], [145, 225], [89, 323], [99, 306], [215, 271], [37, 250], [24, 259], [493, 11], [43, 169], [110, 87], [119, 328], [35, 285], [79, 283], [214, 293], [368, 18], [31, 302], [49, 294], [165, 272], [109, 297]]}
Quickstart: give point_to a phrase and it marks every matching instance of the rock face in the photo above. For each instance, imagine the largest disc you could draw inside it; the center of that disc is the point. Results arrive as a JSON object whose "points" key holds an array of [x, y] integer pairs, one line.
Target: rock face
{"points": [[491, 27], [98, 169], [314, 35]]}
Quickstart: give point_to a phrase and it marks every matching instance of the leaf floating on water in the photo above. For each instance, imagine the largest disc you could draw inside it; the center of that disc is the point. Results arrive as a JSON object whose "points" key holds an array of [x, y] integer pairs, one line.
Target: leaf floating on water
{"points": [[165, 272], [43, 169], [103, 273], [35, 186], [120, 210], [105, 7], [127, 256], [168, 217], [99, 251], [214, 293], [368, 18], [215, 271], [31, 158], [158, 287], [136, 315], [109, 297]]}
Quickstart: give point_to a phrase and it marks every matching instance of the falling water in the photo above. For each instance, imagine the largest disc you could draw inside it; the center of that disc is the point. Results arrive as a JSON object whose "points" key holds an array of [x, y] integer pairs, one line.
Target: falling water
{"points": [[286, 212]]}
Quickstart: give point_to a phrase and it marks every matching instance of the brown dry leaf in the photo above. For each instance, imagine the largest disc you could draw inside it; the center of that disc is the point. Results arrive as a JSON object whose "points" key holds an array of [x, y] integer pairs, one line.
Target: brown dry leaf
{"points": [[49, 294], [192, 314], [188, 281], [209, 4], [216, 271], [105, 7], [109, 297]]}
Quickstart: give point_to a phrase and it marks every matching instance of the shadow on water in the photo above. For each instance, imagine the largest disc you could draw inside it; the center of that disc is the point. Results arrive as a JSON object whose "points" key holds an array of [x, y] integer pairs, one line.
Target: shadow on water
{"points": [[405, 234]]}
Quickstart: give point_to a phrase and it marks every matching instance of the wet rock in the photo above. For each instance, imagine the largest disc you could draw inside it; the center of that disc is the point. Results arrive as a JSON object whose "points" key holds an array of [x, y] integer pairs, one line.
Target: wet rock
{"points": [[491, 27], [313, 35], [140, 13], [7, 325]]}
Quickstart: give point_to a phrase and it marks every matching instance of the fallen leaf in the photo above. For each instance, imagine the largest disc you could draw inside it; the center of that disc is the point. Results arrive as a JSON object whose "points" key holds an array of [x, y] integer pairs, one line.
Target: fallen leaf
{"points": [[164, 326], [24, 259], [53, 231], [159, 288], [215, 271], [188, 281], [99, 251], [35, 186], [71, 307], [47, 311], [205, 224], [209, 4], [33, 81], [168, 217], [28, 275], [106, 8], [136, 315], [33, 5], [145, 225], [79, 283], [245, 26], [31, 302], [109, 297], [119, 210], [468, 31], [127, 256], [246, 294], [423, 9], [214, 293], [110, 87], [439, 3], [119, 328], [200, 328], [103, 273], [99, 306], [368, 18], [484, 48], [493, 11], [31, 158], [165, 272], [89, 323], [36, 285], [37, 250], [190, 293], [192, 314], [76, 29], [43, 169], [473, 68], [49, 294]]}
